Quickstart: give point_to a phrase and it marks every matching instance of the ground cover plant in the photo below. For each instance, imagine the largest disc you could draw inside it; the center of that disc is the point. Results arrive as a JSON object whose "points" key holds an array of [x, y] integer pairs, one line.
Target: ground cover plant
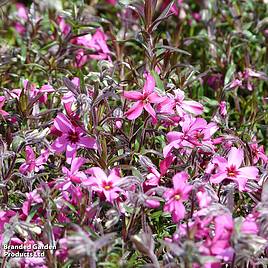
{"points": [[133, 133]]}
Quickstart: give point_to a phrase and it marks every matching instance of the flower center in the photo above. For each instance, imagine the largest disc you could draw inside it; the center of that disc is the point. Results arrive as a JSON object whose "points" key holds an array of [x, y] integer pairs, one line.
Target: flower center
{"points": [[107, 185], [199, 136], [73, 137], [177, 197], [232, 171]]}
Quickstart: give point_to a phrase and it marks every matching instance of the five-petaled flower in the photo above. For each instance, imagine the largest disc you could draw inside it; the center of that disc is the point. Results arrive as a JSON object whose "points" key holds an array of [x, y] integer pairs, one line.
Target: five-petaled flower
{"points": [[71, 138], [101, 183], [230, 169], [175, 197], [143, 100]]}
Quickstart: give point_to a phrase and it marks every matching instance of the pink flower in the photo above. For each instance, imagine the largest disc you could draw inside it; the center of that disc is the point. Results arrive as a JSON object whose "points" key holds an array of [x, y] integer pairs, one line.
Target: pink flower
{"points": [[249, 225], [22, 14], [34, 91], [174, 9], [71, 138], [222, 108], [97, 43], [64, 27], [258, 153], [4, 218], [143, 100], [19, 28], [182, 106], [73, 175], [31, 198], [236, 83], [112, 2], [81, 58], [219, 245], [195, 132], [22, 11], [153, 178], [203, 198], [31, 163], [175, 197], [101, 183], [230, 169], [2, 102]]}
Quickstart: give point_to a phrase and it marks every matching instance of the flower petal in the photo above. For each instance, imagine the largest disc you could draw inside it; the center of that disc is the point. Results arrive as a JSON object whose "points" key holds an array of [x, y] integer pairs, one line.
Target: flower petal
{"points": [[87, 142], [235, 157], [151, 111], [63, 124], [135, 111], [149, 84], [133, 95]]}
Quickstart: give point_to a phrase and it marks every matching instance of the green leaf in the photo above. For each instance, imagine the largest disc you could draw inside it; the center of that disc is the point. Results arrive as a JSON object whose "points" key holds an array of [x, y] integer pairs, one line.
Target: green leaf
{"points": [[229, 73], [158, 81]]}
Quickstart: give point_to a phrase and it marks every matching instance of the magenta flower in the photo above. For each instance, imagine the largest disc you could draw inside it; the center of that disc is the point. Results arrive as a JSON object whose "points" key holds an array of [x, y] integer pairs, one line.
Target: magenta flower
{"points": [[22, 11], [71, 138], [203, 198], [73, 175], [101, 183], [22, 15], [182, 106], [258, 153], [153, 178], [32, 163], [219, 245], [2, 102], [195, 132], [143, 100], [97, 42], [175, 8], [230, 169], [112, 2], [175, 197], [31, 198], [33, 91], [249, 225], [222, 108], [64, 27]]}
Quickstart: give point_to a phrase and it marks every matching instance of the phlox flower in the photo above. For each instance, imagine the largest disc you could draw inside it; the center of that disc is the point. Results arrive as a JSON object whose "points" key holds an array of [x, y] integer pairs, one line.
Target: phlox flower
{"points": [[112, 2], [143, 100], [222, 108], [5, 216], [22, 11], [2, 102], [72, 175], [219, 245], [195, 132], [176, 8], [178, 102], [249, 225], [258, 153], [230, 169], [33, 91], [175, 197], [31, 198], [22, 15], [203, 198], [107, 185], [70, 138], [153, 178], [97, 42], [31, 163], [64, 27]]}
